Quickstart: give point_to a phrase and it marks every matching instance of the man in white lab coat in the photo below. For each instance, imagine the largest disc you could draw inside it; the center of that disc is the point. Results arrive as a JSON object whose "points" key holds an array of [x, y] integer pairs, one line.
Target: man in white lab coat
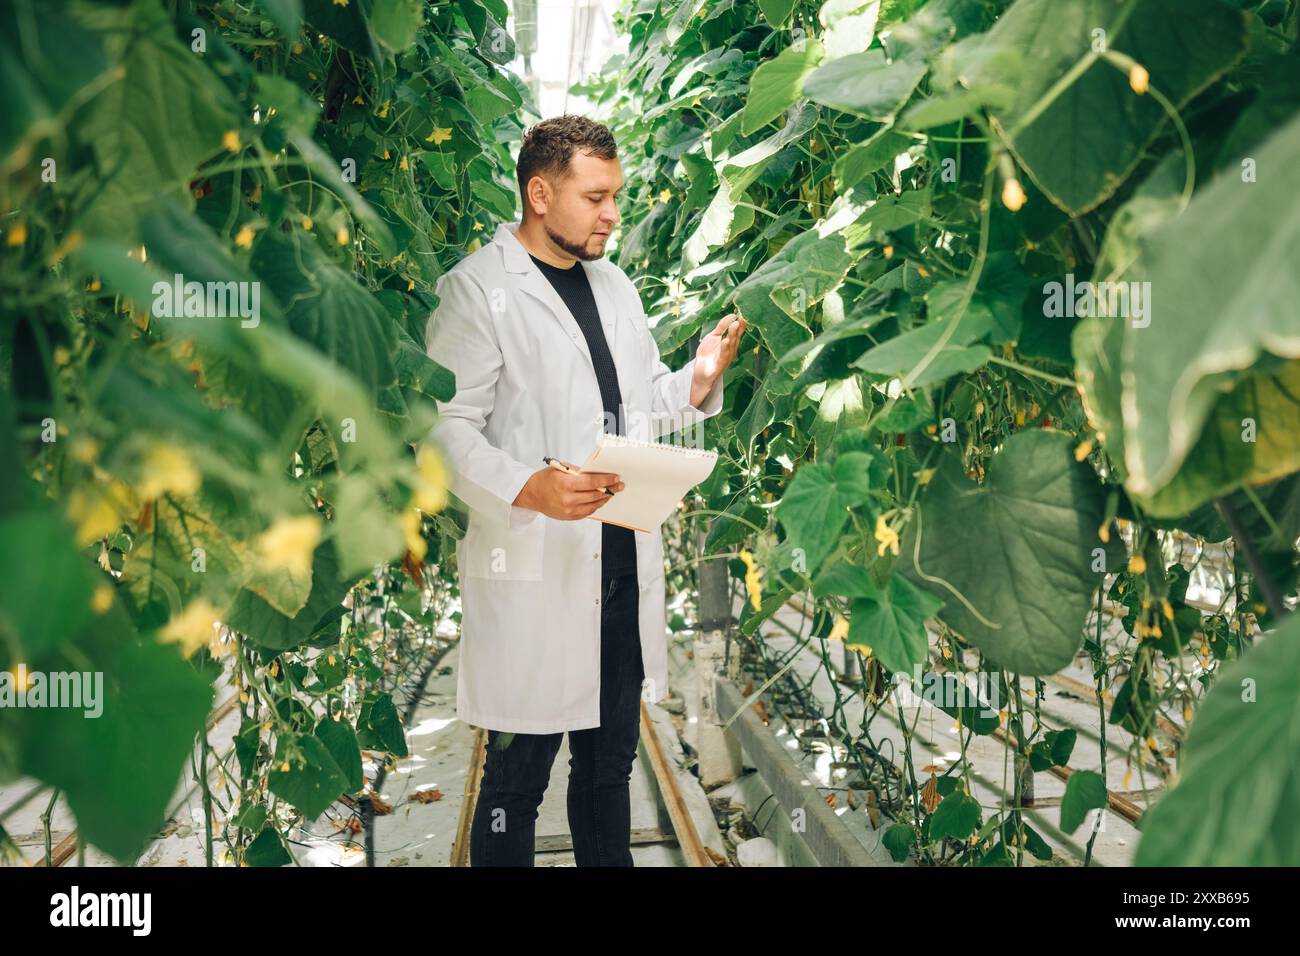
{"points": [[563, 619]]}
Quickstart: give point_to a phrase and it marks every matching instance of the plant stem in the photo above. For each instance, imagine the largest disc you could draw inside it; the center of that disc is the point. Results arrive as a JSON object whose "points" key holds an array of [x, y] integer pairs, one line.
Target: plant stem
{"points": [[1267, 588], [1027, 370]]}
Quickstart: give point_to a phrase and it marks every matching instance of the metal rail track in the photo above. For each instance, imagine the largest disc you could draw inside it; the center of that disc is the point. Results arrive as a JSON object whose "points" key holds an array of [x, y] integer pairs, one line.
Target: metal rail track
{"points": [[685, 834]]}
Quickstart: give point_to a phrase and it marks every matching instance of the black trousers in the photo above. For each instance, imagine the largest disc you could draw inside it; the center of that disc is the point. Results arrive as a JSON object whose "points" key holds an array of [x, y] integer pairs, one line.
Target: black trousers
{"points": [[518, 766]]}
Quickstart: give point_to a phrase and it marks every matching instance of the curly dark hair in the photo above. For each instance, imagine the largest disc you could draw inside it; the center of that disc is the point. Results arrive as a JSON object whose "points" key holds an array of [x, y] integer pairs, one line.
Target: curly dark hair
{"points": [[548, 146]]}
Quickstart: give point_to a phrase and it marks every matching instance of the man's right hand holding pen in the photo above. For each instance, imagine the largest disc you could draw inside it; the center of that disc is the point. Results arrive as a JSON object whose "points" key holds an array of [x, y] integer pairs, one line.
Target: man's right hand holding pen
{"points": [[561, 491]]}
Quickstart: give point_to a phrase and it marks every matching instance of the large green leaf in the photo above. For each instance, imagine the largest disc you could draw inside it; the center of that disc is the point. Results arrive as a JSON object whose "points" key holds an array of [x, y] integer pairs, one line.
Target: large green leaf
{"points": [[368, 533], [1236, 801], [776, 11], [893, 626], [1222, 300], [722, 220], [960, 354], [716, 225], [847, 580], [181, 243], [1018, 549], [493, 41], [886, 214], [327, 307], [313, 780], [417, 371], [152, 128], [268, 628], [814, 509], [1079, 142], [267, 849], [840, 408], [395, 22], [379, 727], [47, 582], [119, 770], [850, 25], [889, 621], [46, 59], [1097, 340], [341, 741], [957, 817], [776, 84], [807, 268], [236, 359], [974, 706], [741, 170], [1085, 790], [1226, 454], [489, 102], [868, 156], [327, 391], [865, 83], [162, 566], [898, 840]]}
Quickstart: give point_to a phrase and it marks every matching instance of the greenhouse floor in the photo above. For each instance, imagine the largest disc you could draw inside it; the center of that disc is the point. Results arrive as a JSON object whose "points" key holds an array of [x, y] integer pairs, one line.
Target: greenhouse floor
{"points": [[426, 794], [427, 789]]}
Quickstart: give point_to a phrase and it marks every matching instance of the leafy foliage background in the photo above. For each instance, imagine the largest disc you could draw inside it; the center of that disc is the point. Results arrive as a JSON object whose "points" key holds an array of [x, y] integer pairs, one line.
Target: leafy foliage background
{"points": [[162, 473], [886, 191]]}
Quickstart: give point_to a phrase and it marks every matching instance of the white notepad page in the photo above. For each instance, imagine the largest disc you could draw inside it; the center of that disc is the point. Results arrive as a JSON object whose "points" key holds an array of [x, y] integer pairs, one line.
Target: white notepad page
{"points": [[655, 478]]}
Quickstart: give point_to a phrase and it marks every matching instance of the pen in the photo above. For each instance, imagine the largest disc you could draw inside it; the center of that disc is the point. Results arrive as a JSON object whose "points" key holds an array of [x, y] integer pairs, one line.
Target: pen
{"points": [[561, 466]]}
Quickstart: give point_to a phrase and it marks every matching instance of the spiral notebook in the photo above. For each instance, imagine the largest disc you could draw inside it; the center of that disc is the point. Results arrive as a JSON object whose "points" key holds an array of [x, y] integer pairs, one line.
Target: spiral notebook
{"points": [[655, 478]]}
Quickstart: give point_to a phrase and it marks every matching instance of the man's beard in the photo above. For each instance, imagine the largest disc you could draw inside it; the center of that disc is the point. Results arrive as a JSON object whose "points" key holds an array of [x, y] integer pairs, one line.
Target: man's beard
{"points": [[578, 250]]}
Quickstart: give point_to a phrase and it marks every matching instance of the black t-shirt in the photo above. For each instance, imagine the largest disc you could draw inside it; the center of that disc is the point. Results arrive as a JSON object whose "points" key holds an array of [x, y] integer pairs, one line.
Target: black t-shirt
{"points": [[618, 546]]}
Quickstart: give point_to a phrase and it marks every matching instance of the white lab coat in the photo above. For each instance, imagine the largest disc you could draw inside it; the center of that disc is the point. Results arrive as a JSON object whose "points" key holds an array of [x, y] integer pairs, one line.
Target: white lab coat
{"points": [[526, 387]]}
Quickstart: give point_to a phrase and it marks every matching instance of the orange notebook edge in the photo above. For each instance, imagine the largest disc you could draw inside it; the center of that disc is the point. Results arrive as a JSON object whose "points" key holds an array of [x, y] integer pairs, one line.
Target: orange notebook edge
{"points": [[619, 523]]}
